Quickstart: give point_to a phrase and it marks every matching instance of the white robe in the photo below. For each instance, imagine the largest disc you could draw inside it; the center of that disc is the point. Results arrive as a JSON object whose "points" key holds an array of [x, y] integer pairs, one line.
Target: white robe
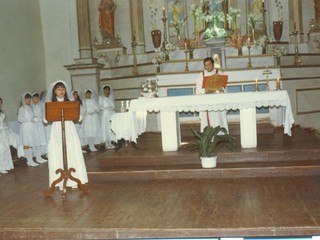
{"points": [[28, 133], [6, 163], [216, 118], [42, 135], [74, 154], [80, 128], [91, 122], [107, 108]]}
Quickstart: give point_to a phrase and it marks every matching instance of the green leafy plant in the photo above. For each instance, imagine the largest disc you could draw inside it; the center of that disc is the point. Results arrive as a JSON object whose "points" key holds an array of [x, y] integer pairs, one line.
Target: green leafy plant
{"points": [[211, 139]]}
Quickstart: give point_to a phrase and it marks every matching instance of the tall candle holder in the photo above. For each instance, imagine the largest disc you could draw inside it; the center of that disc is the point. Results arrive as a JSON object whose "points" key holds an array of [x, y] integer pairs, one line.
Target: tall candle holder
{"points": [[249, 57], [187, 67], [263, 11], [165, 41], [297, 57], [135, 65], [267, 72]]}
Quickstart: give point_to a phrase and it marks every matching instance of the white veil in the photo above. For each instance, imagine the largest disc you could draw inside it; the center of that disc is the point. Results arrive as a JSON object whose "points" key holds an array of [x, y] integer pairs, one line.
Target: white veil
{"points": [[23, 103], [111, 96], [94, 94], [49, 92]]}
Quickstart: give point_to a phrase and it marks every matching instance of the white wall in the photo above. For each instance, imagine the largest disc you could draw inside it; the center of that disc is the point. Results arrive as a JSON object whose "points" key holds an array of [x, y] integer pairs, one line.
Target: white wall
{"points": [[60, 37], [22, 65]]}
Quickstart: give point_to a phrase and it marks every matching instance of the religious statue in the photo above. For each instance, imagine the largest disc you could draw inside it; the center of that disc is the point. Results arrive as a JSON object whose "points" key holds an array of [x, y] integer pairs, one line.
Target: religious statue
{"points": [[107, 9], [317, 11]]}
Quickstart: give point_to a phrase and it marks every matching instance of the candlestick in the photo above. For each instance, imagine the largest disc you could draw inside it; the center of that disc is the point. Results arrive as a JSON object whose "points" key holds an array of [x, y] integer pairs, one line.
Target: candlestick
{"points": [[186, 52], [165, 41], [185, 46], [164, 11], [278, 83], [249, 57], [257, 88]]}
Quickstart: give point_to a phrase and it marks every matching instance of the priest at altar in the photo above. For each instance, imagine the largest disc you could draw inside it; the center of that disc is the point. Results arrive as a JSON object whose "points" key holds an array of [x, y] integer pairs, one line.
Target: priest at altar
{"points": [[212, 81]]}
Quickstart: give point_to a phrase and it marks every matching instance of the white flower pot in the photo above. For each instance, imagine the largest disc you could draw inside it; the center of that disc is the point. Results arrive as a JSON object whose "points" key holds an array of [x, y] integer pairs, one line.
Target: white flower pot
{"points": [[209, 162]]}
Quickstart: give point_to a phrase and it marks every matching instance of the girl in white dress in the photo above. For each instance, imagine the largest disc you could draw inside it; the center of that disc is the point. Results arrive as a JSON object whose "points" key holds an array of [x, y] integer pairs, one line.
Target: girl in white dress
{"points": [[59, 92], [39, 124], [107, 108], [28, 137], [91, 120], [79, 126], [6, 163]]}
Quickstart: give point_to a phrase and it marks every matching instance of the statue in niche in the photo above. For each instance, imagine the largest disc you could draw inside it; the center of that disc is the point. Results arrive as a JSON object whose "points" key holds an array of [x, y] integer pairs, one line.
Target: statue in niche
{"points": [[107, 9]]}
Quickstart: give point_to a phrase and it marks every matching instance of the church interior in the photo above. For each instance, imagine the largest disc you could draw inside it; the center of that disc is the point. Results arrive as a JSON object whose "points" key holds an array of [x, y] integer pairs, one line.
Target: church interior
{"points": [[151, 184]]}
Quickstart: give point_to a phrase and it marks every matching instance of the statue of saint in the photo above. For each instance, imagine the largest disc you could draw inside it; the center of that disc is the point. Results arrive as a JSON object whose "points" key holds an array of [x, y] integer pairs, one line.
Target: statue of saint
{"points": [[317, 11], [107, 9]]}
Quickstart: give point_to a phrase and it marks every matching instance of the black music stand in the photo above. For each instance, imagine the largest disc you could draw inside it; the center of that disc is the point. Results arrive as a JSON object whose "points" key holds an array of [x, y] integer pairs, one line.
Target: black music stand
{"points": [[63, 111]]}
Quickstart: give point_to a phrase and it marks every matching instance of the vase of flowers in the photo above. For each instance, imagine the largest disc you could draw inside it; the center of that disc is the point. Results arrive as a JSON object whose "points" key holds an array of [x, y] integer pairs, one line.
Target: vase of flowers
{"points": [[262, 42], [156, 38], [149, 88], [177, 24], [237, 42], [278, 52], [158, 58], [278, 25], [252, 21], [234, 15]]}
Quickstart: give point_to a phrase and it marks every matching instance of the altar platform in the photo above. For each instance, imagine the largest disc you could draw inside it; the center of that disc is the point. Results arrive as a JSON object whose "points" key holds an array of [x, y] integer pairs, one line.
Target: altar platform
{"points": [[270, 191]]}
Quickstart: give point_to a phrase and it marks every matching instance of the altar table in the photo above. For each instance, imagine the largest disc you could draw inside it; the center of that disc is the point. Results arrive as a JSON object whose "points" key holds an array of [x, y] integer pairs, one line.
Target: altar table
{"points": [[246, 102], [128, 125]]}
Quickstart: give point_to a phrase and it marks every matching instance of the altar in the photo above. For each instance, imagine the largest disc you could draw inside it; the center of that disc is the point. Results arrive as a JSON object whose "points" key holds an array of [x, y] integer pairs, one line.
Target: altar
{"points": [[246, 102]]}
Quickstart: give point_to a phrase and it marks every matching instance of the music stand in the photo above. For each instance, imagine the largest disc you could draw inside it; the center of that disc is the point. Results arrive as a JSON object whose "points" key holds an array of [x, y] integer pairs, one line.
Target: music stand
{"points": [[63, 111]]}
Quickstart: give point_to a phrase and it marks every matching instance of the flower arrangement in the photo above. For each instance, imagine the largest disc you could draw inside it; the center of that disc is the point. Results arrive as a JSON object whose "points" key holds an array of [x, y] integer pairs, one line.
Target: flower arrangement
{"points": [[177, 24], [149, 87], [279, 51], [280, 9], [233, 15], [237, 41], [158, 58], [263, 41], [253, 19]]}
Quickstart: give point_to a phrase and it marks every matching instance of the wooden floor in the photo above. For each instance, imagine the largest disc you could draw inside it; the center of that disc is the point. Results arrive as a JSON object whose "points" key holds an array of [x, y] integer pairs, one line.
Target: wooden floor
{"points": [[272, 190]]}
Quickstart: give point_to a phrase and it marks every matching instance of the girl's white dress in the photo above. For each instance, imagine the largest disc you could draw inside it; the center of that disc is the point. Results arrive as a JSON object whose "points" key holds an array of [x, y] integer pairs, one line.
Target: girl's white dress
{"points": [[5, 153], [74, 154], [91, 121], [80, 128], [42, 135], [28, 133], [107, 109]]}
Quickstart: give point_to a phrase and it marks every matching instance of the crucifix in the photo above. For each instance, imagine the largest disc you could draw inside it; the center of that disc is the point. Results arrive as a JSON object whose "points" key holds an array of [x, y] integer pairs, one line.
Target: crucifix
{"points": [[267, 72]]}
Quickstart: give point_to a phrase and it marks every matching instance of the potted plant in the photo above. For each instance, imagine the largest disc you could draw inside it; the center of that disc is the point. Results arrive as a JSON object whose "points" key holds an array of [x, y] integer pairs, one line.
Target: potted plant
{"points": [[208, 143]]}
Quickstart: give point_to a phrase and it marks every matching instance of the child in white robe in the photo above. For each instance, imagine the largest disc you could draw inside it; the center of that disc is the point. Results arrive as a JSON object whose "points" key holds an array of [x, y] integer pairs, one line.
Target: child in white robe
{"points": [[39, 124], [6, 163], [91, 120], [107, 108], [59, 92], [28, 137], [79, 126]]}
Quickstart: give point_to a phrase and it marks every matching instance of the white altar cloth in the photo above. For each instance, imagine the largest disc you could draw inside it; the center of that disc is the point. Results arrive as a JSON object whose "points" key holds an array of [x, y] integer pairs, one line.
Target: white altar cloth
{"points": [[128, 125], [246, 102]]}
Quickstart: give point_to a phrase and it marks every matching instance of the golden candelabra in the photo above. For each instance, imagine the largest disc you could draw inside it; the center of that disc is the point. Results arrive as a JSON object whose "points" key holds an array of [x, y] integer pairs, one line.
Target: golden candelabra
{"points": [[267, 72], [297, 58], [165, 41], [249, 57], [263, 11], [187, 67]]}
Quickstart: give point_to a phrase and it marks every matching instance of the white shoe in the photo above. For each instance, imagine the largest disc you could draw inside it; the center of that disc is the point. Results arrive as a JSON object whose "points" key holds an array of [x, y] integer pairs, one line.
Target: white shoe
{"points": [[3, 171], [93, 149], [83, 151], [41, 160], [75, 186], [32, 164]]}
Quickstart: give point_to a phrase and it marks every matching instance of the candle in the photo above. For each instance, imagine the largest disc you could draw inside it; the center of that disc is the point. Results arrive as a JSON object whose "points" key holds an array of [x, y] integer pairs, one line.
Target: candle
{"points": [[263, 1], [248, 40], [256, 84], [294, 26], [278, 83], [164, 11], [185, 46]]}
